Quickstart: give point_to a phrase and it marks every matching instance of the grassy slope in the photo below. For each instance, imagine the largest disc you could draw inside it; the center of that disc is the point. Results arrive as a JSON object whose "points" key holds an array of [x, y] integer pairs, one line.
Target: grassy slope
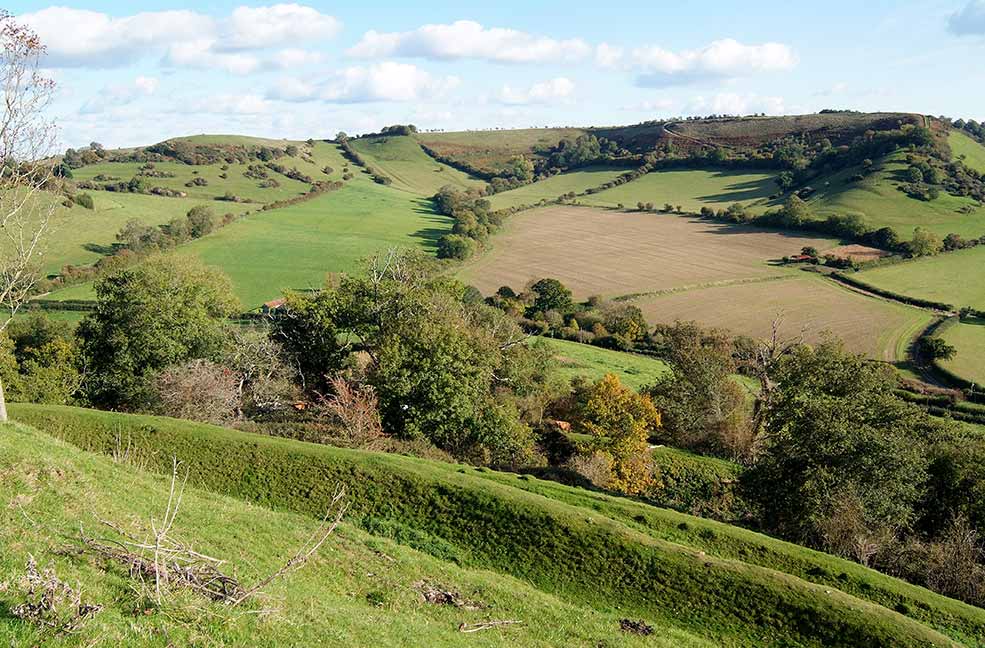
{"points": [[555, 186], [692, 189], [492, 149], [963, 145], [353, 594], [969, 339], [882, 204], [952, 278], [294, 247], [594, 362], [411, 169], [667, 567]]}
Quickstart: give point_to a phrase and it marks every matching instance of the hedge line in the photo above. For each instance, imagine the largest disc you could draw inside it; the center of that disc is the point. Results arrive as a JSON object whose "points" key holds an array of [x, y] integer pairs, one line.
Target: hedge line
{"points": [[498, 523], [888, 294], [83, 305]]}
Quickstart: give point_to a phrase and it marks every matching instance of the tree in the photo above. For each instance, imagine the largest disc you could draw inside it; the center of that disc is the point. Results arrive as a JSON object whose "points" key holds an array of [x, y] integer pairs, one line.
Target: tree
{"points": [[620, 422], [836, 433], [162, 312], [520, 168], [201, 221], [935, 348], [552, 295], [26, 138], [925, 243], [46, 360]]}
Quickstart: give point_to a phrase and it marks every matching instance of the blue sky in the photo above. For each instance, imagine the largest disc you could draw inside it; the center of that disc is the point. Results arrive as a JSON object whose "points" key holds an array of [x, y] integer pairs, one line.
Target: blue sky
{"points": [[135, 76]]}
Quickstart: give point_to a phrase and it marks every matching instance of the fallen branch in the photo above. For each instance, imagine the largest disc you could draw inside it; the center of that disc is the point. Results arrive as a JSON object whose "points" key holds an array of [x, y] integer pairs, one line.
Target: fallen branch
{"points": [[486, 625]]}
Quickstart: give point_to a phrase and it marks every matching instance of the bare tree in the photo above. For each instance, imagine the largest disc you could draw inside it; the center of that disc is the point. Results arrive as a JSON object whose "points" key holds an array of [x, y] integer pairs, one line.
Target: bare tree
{"points": [[762, 366], [27, 138]]}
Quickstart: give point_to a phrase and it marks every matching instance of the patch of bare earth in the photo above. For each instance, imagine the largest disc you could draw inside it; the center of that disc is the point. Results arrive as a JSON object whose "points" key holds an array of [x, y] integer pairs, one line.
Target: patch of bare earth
{"points": [[857, 252]]}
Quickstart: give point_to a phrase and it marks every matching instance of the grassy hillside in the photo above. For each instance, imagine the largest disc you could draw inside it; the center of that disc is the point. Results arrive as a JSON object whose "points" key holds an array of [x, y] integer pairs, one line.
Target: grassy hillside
{"points": [[967, 149], [294, 247], [411, 169], [354, 594], [555, 186], [692, 189], [949, 278], [490, 150], [731, 586], [968, 338], [593, 362], [879, 201]]}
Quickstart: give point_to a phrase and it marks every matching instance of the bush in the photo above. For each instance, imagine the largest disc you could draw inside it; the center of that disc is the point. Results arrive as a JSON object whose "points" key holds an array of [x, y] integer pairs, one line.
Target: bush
{"points": [[83, 200]]}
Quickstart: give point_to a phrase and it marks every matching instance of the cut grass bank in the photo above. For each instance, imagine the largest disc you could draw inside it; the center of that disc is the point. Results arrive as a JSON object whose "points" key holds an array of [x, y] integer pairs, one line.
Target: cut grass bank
{"points": [[592, 362], [358, 591], [587, 549]]}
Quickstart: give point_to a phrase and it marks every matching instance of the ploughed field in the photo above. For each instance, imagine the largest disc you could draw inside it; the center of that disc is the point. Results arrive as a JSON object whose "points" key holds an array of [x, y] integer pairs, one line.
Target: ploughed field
{"points": [[806, 305], [618, 253]]}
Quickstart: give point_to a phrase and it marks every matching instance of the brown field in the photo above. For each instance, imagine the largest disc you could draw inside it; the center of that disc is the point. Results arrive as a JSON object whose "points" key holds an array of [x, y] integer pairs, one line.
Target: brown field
{"points": [[857, 252], [490, 150], [613, 253], [808, 304]]}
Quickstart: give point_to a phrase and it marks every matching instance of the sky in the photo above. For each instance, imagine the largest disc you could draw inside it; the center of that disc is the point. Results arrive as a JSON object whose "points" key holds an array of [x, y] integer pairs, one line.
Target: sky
{"points": [[129, 76]]}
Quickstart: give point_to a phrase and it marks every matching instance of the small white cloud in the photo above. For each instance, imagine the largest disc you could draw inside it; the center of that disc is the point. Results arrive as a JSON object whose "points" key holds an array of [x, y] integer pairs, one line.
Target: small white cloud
{"points": [[116, 96], [731, 103], [295, 58], [387, 81], [545, 92], [652, 105], [720, 59], [467, 39], [202, 54], [280, 24], [970, 20], [608, 56]]}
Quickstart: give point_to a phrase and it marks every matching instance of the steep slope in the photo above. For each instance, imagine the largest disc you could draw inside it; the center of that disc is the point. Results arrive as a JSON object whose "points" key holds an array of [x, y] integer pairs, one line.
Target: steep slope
{"points": [[588, 549], [403, 160]]}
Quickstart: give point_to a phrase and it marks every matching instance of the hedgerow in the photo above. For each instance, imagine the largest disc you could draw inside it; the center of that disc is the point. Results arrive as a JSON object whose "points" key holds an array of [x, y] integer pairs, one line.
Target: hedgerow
{"points": [[563, 540]]}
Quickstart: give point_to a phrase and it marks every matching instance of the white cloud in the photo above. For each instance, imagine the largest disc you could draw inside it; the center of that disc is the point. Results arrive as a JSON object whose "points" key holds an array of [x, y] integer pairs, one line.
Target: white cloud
{"points": [[970, 20], [81, 38], [545, 92], [608, 55], [837, 89], [116, 96], [731, 103], [720, 59], [294, 58], [652, 105], [387, 81], [280, 24], [466, 39]]}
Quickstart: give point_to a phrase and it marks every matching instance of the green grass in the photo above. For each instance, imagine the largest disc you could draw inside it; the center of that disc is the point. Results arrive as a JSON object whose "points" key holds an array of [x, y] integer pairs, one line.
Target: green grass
{"points": [[951, 278], [879, 201], [411, 169], [295, 247], [555, 186], [692, 189], [968, 338], [491, 150], [594, 362], [732, 586], [359, 591], [967, 149]]}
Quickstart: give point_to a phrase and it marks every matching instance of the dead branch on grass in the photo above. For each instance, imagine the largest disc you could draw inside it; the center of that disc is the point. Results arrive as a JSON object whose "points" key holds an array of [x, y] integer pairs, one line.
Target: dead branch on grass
{"points": [[485, 625], [52, 604]]}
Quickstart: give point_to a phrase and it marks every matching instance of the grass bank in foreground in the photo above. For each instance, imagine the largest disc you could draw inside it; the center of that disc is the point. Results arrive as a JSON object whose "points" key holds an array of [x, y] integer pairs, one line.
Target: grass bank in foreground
{"points": [[728, 585]]}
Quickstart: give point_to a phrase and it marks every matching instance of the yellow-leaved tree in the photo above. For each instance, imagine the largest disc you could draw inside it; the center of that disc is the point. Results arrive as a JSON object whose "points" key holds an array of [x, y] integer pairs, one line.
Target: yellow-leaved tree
{"points": [[620, 422]]}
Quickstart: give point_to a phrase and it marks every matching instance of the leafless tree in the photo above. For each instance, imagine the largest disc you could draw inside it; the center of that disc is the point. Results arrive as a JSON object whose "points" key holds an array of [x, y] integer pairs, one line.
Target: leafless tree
{"points": [[27, 138], [762, 366], [354, 406]]}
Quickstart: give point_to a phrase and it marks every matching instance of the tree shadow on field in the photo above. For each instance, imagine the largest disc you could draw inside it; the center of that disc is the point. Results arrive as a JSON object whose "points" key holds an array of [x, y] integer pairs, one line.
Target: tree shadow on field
{"points": [[739, 191], [101, 248], [733, 229]]}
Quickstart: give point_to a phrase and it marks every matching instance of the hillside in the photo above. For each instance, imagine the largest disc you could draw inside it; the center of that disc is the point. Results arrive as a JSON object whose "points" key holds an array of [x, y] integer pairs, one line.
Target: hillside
{"points": [[704, 579], [967, 150], [402, 160]]}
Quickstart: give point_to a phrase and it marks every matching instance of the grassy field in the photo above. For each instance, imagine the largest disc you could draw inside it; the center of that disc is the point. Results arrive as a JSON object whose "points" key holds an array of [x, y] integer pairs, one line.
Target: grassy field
{"points": [[611, 253], [296, 246], [490, 150], [951, 278], [555, 186], [968, 338], [692, 189], [411, 169], [593, 362], [967, 149], [879, 201], [352, 594], [808, 305], [688, 576]]}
